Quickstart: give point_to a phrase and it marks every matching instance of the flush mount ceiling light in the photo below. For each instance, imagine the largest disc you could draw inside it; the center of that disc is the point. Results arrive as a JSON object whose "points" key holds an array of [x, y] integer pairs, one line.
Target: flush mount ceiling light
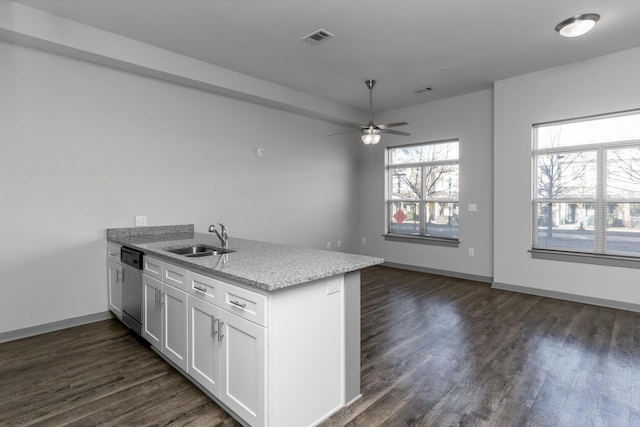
{"points": [[577, 25]]}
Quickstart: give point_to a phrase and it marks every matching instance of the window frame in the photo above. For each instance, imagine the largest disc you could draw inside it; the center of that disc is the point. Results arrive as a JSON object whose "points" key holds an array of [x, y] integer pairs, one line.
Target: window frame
{"points": [[600, 201], [424, 200]]}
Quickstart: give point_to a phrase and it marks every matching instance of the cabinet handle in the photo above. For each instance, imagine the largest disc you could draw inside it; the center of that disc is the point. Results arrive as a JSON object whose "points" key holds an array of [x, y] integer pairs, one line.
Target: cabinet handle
{"points": [[156, 292], [220, 334], [162, 294], [118, 276], [214, 331], [198, 288], [238, 304]]}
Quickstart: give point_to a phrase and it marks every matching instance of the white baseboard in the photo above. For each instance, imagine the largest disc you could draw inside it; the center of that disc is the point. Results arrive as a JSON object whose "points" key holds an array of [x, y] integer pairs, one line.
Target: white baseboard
{"points": [[476, 277], [568, 297], [54, 326]]}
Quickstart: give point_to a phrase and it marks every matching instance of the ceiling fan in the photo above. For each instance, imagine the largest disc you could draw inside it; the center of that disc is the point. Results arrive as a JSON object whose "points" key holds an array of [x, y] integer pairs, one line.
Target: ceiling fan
{"points": [[372, 133]]}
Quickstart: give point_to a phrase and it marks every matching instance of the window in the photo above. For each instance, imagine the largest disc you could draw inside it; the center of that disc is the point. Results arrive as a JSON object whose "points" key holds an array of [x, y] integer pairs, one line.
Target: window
{"points": [[423, 188], [587, 185]]}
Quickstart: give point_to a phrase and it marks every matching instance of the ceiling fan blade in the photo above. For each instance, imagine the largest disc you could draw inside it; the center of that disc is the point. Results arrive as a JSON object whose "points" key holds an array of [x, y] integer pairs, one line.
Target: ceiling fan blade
{"points": [[394, 132], [392, 125], [346, 131], [349, 125], [352, 125]]}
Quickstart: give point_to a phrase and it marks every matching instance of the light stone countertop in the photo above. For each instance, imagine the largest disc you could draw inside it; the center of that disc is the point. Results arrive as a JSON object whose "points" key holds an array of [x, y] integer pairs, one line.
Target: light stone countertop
{"points": [[267, 266]]}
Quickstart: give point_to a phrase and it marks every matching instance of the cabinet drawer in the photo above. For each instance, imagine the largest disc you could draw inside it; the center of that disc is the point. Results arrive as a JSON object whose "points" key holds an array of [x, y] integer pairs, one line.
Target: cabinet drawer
{"points": [[152, 267], [175, 276], [113, 252], [244, 303], [203, 287]]}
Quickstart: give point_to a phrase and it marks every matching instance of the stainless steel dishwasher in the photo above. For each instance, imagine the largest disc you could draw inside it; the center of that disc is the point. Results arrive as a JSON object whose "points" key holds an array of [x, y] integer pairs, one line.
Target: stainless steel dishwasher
{"points": [[132, 288]]}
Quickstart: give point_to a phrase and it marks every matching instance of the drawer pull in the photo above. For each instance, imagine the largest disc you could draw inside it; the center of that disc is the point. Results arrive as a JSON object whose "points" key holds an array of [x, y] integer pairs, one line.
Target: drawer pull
{"points": [[238, 304], [214, 331], [198, 288]]}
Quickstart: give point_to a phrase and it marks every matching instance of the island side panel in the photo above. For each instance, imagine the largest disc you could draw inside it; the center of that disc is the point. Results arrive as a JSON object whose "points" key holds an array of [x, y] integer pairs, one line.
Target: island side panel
{"points": [[352, 335], [306, 352]]}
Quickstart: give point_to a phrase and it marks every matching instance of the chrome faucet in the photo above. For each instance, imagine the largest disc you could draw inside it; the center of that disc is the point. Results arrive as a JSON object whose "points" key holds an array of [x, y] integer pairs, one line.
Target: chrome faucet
{"points": [[224, 238]]}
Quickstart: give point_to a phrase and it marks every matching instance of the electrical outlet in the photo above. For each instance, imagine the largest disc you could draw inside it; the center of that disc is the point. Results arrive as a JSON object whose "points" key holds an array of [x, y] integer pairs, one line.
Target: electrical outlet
{"points": [[473, 207], [339, 243], [141, 220], [333, 287], [328, 245], [471, 252], [364, 240]]}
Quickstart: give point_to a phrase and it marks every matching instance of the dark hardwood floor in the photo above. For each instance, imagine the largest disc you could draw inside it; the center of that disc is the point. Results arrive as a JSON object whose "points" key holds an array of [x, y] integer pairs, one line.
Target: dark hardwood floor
{"points": [[436, 351]]}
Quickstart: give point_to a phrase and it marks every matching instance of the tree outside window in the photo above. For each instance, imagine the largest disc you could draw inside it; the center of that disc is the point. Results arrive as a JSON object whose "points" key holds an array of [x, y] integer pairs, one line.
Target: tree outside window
{"points": [[423, 187], [587, 185]]}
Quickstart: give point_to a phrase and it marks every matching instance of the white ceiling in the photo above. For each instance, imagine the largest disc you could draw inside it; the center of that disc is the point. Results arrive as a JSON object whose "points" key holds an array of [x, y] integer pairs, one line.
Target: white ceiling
{"points": [[455, 46]]}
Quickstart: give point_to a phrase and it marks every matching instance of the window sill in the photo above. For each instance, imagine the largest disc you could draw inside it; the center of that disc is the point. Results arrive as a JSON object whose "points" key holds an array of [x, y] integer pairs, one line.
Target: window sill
{"points": [[435, 241], [586, 258]]}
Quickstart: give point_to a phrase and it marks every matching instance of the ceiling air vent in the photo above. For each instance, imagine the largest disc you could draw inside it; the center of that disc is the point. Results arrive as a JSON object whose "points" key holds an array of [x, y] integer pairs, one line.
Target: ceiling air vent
{"points": [[317, 37]]}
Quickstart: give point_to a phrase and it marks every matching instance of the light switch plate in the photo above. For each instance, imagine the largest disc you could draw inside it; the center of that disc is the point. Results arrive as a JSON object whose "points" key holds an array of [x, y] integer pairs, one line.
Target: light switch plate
{"points": [[141, 220], [473, 207]]}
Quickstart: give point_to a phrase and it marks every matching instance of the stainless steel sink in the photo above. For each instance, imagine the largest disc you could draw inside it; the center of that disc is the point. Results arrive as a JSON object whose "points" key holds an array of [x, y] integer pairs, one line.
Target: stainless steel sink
{"points": [[198, 251]]}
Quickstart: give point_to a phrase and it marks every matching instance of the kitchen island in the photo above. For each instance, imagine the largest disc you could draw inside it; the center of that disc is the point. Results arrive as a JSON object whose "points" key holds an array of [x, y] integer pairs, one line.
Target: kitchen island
{"points": [[270, 332]]}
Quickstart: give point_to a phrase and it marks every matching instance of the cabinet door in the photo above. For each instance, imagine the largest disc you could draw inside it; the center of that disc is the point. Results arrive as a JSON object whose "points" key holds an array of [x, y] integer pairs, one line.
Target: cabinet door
{"points": [[114, 277], [152, 311], [243, 368], [204, 344], [174, 344]]}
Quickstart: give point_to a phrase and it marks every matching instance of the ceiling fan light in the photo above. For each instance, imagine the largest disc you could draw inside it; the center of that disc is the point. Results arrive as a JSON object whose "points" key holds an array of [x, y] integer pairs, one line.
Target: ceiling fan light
{"points": [[577, 25], [371, 138]]}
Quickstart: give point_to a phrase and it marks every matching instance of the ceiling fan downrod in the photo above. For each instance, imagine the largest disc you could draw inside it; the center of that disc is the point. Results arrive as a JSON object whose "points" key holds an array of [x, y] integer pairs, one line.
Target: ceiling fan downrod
{"points": [[370, 85]]}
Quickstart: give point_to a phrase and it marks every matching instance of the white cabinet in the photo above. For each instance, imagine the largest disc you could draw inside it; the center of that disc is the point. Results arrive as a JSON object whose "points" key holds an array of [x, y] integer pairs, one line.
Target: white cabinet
{"points": [[205, 288], [274, 359], [244, 303], [174, 276], [114, 280], [152, 311], [174, 326], [204, 344], [227, 357], [152, 267], [243, 368], [164, 321]]}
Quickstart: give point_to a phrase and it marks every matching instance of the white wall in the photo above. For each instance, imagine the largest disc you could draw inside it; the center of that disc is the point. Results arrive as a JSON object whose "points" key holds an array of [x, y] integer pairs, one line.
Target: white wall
{"points": [[601, 85], [84, 148], [469, 118]]}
